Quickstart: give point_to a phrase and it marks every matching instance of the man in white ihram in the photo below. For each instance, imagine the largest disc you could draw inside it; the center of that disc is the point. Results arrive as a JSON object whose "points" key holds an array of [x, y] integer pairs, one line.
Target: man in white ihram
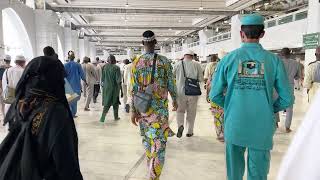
{"points": [[302, 159]]}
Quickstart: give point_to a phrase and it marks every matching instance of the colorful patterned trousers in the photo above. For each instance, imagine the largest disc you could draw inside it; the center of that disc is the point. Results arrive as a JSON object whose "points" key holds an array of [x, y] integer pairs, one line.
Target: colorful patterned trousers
{"points": [[154, 140]]}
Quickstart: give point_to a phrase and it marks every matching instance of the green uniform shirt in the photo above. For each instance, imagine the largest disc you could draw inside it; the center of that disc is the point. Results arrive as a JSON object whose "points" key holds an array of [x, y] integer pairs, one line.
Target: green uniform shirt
{"points": [[243, 84]]}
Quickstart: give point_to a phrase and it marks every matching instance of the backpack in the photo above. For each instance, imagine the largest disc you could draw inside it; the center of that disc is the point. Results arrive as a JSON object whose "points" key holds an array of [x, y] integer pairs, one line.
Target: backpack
{"points": [[17, 159]]}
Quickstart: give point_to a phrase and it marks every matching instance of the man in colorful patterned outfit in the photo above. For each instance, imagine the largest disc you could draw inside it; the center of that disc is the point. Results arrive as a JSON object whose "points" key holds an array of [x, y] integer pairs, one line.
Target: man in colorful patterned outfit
{"points": [[154, 124]]}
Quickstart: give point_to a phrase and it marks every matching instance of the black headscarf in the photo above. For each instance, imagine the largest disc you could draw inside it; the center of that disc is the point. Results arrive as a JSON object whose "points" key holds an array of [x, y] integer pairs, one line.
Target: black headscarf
{"points": [[41, 82]]}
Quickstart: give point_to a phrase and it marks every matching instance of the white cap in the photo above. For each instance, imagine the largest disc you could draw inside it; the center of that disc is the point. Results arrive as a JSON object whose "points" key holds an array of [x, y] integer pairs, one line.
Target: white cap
{"points": [[7, 57], [20, 58], [94, 61], [221, 54], [189, 52]]}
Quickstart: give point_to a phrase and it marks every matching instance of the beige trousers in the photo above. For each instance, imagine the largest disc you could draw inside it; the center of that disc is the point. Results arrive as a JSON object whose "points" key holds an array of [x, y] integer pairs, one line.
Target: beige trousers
{"points": [[89, 91], [187, 105]]}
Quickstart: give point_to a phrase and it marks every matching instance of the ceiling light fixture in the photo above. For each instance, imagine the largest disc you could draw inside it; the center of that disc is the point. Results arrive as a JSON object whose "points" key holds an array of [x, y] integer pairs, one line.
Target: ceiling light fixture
{"points": [[217, 29], [258, 9], [71, 18], [266, 4], [54, 3], [127, 4], [170, 29]]}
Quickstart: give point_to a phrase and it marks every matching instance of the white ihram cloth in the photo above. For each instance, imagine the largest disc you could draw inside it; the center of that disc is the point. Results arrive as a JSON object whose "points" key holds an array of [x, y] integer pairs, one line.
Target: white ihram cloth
{"points": [[302, 159]]}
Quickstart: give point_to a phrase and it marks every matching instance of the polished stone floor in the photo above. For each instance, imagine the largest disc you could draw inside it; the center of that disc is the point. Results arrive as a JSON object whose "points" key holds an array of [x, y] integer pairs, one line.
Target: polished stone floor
{"points": [[113, 151]]}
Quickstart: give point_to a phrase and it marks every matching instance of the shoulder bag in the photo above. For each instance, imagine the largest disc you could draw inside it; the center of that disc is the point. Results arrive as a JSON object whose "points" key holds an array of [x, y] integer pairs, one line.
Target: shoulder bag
{"points": [[142, 99], [192, 86], [9, 93]]}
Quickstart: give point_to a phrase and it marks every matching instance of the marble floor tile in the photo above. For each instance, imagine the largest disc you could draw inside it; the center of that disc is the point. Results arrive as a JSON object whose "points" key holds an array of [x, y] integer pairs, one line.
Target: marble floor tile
{"points": [[113, 150]]}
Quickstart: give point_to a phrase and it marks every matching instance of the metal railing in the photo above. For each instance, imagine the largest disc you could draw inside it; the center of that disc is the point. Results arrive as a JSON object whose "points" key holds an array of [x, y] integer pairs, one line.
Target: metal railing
{"points": [[194, 44], [288, 18], [220, 37], [178, 49]]}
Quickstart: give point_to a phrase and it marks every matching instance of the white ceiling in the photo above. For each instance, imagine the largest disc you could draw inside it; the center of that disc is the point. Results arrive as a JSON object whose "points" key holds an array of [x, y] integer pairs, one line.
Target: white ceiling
{"points": [[143, 20]]}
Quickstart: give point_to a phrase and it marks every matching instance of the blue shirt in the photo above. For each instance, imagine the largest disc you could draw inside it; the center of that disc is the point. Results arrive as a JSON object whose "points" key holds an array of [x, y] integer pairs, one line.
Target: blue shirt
{"points": [[243, 84], [74, 75]]}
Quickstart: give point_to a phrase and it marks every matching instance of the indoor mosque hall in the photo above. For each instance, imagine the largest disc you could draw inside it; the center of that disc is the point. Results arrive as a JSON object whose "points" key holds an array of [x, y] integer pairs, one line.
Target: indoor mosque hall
{"points": [[159, 89]]}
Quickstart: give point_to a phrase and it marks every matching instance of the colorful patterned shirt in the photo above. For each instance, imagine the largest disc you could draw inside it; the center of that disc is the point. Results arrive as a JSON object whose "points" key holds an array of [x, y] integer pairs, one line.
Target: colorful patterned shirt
{"points": [[164, 82]]}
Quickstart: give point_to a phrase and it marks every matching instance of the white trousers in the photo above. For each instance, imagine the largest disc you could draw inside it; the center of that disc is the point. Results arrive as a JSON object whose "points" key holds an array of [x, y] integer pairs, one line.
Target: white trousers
{"points": [[187, 105], [125, 94]]}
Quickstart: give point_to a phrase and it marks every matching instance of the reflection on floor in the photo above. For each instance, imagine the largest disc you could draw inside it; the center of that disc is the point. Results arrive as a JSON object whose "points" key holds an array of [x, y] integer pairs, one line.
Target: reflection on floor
{"points": [[113, 151]]}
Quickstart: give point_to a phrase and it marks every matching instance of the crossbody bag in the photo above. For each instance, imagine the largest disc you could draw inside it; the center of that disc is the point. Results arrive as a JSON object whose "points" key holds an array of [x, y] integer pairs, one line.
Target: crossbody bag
{"points": [[9, 93], [192, 86]]}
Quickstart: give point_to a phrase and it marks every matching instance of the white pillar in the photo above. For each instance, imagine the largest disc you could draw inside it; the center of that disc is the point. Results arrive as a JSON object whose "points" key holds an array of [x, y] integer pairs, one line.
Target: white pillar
{"points": [[204, 35], [235, 31], [93, 50], [46, 31], [313, 27], [82, 52], [3, 5]]}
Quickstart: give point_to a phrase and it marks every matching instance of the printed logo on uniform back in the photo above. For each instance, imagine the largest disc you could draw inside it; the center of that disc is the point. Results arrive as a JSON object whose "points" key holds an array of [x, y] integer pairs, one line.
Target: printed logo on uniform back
{"points": [[250, 75]]}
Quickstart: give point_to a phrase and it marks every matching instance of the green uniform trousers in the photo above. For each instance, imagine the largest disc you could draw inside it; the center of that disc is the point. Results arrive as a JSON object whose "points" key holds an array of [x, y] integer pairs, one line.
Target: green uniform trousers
{"points": [[258, 163]]}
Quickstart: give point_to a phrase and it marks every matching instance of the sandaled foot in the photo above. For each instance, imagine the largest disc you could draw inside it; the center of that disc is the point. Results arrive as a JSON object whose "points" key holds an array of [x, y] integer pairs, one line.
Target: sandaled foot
{"points": [[190, 135]]}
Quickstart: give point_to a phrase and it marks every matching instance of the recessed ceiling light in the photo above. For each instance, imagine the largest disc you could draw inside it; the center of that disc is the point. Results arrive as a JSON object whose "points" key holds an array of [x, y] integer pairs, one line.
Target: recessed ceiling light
{"points": [[170, 29], [54, 3], [258, 9], [266, 4], [225, 22], [71, 18], [127, 5], [201, 8]]}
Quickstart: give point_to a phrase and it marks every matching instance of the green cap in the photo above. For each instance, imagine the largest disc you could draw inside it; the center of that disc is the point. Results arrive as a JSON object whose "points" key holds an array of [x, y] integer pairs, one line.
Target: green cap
{"points": [[252, 19]]}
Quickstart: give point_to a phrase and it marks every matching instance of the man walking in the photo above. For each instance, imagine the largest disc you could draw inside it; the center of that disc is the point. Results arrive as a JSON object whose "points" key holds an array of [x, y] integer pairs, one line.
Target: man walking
{"points": [[294, 73], [74, 75], [111, 82], [154, 125], [91, 79], [312, 78], [96, 89], [12, 76], [125, 81], [3, 68], [244, 85], [187, 68]]}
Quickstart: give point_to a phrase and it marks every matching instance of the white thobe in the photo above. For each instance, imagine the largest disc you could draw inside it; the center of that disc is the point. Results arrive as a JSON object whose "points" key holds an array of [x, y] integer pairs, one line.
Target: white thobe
{"points": [[11, 78]]}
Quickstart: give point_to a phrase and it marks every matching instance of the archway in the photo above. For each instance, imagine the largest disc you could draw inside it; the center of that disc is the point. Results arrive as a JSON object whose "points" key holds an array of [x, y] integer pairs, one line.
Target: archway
{"points": [[15, 36]]}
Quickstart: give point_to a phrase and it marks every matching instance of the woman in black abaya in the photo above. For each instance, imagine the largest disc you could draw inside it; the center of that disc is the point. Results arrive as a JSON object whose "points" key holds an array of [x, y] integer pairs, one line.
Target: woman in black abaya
{"points": [[42, 142]]}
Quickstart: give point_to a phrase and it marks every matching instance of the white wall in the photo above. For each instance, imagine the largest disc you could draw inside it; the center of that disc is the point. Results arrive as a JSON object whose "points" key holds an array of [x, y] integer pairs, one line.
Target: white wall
{"points": [[285, 35]]}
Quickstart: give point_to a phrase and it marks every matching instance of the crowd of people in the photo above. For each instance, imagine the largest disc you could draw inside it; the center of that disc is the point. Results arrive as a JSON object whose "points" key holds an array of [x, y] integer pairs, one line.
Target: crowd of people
{"points": [[42, 142]]}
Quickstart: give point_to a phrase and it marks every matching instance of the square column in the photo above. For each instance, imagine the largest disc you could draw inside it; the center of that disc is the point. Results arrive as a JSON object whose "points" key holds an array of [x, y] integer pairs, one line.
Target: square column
{"points": [[235, 31], [46, 31], [313, 27]]}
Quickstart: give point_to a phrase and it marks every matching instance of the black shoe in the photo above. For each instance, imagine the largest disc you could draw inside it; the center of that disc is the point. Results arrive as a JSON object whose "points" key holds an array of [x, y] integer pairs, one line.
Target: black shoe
{"points": [[180, 131], [127, 108], [189, 135], [117, 119]]}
